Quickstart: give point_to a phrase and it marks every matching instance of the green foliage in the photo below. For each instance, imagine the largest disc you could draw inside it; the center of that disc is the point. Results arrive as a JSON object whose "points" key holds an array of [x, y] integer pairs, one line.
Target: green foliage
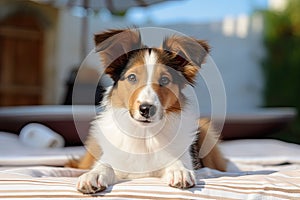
{"points": [[281, 66]]}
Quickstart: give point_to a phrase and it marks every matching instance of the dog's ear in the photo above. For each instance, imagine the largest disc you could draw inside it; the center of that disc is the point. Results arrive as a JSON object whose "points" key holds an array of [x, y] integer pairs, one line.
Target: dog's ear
{"points": [[192, 52], [114, 47]]}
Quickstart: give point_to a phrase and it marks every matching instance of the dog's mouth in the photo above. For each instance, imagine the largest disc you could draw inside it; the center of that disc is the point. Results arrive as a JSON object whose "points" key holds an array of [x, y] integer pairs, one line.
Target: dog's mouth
{"points": [[146, 121], [143, 121]]}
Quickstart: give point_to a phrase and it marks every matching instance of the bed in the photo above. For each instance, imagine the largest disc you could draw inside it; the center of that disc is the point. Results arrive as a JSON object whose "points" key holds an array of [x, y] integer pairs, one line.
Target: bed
{"points": [[259, 169]]}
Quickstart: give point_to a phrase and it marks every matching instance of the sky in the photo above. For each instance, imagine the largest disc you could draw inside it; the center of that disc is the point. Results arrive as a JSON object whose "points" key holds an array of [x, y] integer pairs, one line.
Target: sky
{"points": [[194, 11]]}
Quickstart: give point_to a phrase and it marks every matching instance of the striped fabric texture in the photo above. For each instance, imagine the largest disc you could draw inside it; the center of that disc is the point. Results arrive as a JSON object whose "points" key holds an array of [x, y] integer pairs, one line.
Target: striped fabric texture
{"points": [[59, 183], [259, 169]]}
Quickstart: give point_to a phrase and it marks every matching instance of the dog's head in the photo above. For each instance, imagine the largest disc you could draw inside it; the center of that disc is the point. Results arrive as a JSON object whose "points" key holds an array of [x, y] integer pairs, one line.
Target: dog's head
{"points": [[148, 81]]}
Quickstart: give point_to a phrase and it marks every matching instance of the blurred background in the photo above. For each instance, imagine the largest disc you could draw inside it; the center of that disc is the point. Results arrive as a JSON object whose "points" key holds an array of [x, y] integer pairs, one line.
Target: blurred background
{"points": [[255, 44]]}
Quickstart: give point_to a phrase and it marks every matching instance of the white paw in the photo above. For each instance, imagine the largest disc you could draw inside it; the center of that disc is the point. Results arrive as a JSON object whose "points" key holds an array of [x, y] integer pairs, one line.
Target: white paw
{"points": [[92, 182], [181, 178]]}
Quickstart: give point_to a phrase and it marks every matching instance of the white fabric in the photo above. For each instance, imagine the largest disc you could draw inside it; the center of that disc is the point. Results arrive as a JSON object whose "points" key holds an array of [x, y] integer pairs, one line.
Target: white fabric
{"points": [[252, 154], [270, 170], [259, 154], [38, 135], [14, 153], [54, 182]]}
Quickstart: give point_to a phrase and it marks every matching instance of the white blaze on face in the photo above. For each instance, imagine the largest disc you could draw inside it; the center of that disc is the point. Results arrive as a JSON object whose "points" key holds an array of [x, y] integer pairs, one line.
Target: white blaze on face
{"points": [[147, 94]]}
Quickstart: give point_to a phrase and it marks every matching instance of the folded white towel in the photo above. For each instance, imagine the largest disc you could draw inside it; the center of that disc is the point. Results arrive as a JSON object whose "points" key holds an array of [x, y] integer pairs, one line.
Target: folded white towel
{"points": [[38, 135]]}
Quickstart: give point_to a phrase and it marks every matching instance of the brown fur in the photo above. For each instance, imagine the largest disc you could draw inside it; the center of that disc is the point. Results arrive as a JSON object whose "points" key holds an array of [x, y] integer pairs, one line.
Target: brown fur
{"points": [[214, 159], [188, 49], [93, 153], [114, 46]]}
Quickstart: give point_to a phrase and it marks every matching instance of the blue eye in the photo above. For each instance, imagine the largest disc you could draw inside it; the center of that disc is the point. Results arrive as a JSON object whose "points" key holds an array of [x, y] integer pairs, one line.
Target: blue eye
{"points": [[163, 81], [132, 78]]}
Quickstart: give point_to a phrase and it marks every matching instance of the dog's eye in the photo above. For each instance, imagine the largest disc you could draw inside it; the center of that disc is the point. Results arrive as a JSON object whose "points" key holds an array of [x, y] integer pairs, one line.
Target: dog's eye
{"points": [[163, 81], [132, 78]]}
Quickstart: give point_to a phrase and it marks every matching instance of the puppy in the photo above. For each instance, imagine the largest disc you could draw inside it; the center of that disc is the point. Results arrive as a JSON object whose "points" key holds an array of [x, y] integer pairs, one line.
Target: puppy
{"points": [[149, 126]]}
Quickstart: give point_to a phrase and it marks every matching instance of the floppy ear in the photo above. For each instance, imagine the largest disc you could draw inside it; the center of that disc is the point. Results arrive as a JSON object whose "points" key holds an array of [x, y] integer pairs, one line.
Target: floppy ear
{"points": [[114, 47], [192, 51]]}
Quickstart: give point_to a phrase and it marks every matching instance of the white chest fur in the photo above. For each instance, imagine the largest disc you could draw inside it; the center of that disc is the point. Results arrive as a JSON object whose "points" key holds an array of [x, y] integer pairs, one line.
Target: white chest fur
{"points": [[133, 148]]}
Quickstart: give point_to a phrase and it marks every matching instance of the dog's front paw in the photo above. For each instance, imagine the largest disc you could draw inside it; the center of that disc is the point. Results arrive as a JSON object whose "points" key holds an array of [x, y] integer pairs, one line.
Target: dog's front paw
{"points": [[92, 182], [181, 178]]}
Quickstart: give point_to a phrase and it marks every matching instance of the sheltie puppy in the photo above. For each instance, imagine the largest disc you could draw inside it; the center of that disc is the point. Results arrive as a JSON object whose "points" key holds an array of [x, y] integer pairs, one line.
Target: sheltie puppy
{"points": [[149, 126]]}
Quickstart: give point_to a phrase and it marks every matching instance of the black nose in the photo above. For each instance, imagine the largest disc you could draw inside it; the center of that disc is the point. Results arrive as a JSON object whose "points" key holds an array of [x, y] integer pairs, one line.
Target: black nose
{"points": [[147, 110]]}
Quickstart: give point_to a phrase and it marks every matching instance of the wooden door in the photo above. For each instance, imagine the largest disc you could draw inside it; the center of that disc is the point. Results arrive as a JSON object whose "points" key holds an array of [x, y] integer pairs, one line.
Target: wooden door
{"points": [[21, 61]]}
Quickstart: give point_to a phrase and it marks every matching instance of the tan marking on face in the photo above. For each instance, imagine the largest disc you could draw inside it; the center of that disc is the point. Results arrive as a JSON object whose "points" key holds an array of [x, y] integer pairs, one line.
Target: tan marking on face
{"points": [[127, 94], [169, 95], [125, 90]]}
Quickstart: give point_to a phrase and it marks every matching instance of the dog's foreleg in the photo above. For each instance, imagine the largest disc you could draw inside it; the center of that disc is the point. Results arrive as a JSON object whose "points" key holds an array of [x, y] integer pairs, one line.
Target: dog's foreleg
{"points": [[97, 179], [178, 175]]}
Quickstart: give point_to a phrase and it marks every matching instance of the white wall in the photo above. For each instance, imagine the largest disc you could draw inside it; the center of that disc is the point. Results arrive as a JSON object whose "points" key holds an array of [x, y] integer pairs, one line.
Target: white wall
{"points": [[236, 50], [68, 50]]}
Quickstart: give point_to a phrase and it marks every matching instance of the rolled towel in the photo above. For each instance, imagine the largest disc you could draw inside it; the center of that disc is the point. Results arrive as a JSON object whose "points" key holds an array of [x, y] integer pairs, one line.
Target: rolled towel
{"points": [[38, 135]]}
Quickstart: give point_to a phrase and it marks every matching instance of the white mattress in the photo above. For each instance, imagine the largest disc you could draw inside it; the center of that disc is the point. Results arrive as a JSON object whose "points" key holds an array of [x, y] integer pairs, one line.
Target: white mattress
{"points": [[268, 169]]}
